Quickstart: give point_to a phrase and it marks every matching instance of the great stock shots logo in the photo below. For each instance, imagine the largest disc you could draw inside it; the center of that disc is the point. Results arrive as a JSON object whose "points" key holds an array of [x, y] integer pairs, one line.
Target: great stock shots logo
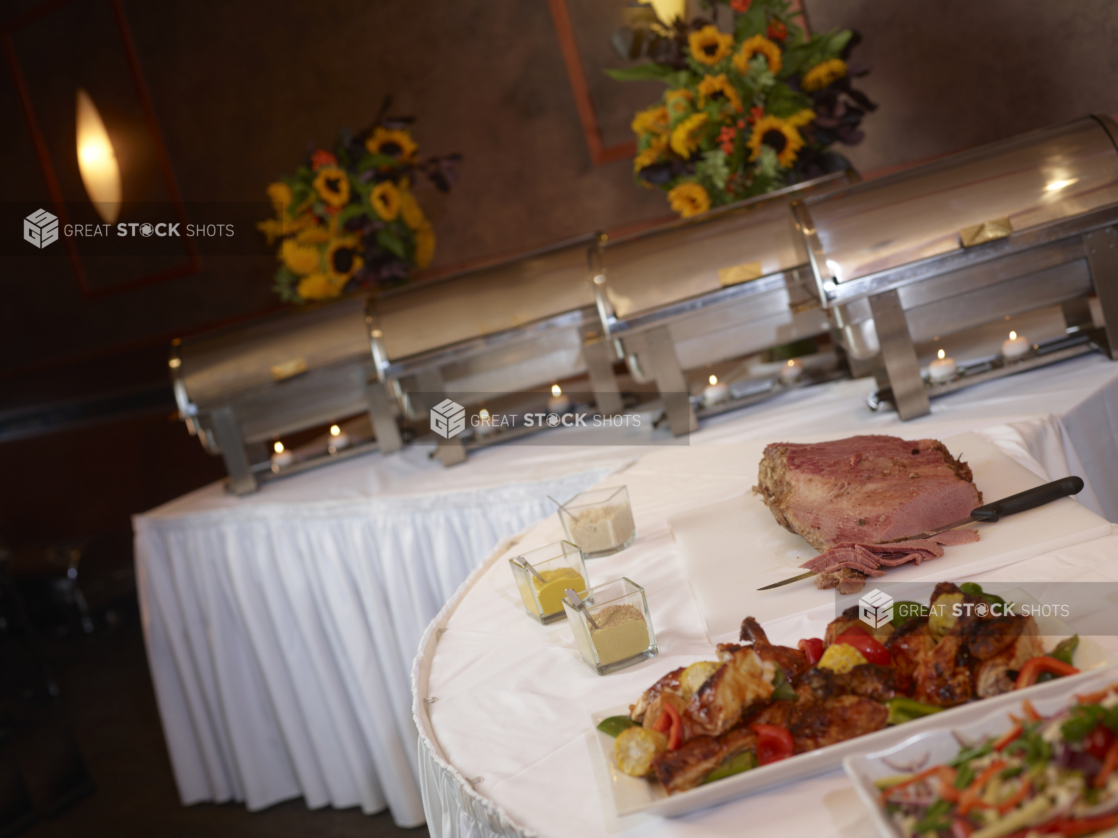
{"points": [[876, 608], [448, 419], [40, 228]]}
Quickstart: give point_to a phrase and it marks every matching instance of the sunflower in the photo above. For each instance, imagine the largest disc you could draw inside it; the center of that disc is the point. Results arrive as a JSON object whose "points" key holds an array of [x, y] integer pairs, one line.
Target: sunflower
{"points": [[753, 46], [686, 136], [679, 102], [709, 46], [650, 121], [301, 259], [332, 186], [385, 199], [424, 246], [823, 74], [409, 210], [651, 154], [801, 118], [719, 88], [780, 135], [343, 259], [279, 194], [392, 143], [689, 199], [319, 286], [313, 234]]}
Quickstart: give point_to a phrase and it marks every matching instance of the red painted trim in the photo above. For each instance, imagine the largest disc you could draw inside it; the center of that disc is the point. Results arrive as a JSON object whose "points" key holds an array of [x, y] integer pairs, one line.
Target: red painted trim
{"points": [[193, 263], [564, 30], [44, 158]]}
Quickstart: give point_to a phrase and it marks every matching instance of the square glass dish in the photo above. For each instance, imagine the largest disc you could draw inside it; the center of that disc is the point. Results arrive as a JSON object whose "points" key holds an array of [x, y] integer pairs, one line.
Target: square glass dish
{"points": [[557, 567], [599, 521], [613, 629]]}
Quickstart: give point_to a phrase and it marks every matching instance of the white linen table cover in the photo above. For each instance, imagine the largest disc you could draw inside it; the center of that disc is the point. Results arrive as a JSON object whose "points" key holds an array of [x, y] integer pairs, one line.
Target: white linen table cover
{"points": [[503, 704], [281, 627]]}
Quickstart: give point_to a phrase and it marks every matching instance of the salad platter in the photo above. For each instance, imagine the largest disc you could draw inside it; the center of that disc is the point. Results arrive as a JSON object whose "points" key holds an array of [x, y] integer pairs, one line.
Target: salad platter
{"points": [[898, 716], [1044, 765]]}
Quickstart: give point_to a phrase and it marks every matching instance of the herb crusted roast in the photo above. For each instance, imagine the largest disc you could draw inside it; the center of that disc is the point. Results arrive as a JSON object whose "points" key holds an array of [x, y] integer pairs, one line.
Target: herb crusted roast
{"points": [[864, 489]]}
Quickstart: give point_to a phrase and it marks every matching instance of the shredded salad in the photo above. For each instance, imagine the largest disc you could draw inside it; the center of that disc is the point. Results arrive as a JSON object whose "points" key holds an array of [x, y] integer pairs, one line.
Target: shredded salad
{"points": [[1047, 776]]}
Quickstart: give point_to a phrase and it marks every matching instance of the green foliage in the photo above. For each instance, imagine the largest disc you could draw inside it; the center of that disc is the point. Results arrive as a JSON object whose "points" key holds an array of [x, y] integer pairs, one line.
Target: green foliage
{"points": [[653, 72], [391, 242], [724, 164], [713, 167]]}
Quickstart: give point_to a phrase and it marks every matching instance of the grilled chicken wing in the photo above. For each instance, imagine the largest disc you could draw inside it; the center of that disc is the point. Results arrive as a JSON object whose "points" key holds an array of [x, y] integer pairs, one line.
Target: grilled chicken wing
{"points": [[792, 661], [835, 720], [910, 645], [998, 674], [943, 675], [718, 704], [669, 683], [990, 637], [871, 680], [686, 767]]}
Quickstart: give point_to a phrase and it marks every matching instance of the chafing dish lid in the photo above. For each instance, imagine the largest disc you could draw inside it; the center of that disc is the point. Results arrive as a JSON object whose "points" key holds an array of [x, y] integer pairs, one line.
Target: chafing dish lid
{"points": [[685, 259], [214, 367], [509, 295], [1032, 179]]}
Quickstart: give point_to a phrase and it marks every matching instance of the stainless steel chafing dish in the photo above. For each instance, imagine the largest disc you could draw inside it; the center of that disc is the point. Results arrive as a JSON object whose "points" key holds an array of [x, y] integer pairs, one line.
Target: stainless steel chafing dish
{"points": [[704, 290], [240, 389], [511, 327], [947, 252]]}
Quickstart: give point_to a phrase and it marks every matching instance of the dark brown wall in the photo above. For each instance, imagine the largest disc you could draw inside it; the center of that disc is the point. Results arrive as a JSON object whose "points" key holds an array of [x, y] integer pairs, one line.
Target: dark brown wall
{"points": [[950, 74], [240, 87]]}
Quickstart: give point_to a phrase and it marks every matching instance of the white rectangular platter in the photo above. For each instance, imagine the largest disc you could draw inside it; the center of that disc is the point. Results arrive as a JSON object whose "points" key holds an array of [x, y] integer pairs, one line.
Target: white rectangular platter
{"points": [[731, 548], [974, 723], [630, 795]]}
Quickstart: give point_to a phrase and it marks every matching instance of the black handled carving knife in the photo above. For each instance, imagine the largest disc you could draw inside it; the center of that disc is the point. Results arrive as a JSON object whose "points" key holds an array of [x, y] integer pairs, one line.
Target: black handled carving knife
{"points": [[987, 514]]}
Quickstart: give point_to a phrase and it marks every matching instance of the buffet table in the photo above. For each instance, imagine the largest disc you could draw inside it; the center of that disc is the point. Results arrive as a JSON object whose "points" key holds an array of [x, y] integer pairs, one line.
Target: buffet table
{"points": [[504, 705], [281, 627]]}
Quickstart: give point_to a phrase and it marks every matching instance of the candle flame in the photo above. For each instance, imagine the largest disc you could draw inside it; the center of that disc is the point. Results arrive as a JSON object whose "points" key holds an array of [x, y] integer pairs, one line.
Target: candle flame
{"points": [[714, 379], [1013, 336], [279, 447], [942, 354], [97, 161], [555, 391], [483, 415], [792, 363], [335, 430]]}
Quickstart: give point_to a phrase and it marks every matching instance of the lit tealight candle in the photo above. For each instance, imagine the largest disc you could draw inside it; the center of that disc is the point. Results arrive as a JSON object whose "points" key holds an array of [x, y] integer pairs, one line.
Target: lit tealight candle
{"points": [[1016, 347], [281, 457], [339, 439], [714, 393], [942, 368], [792, 371], [558, 403], [484, 425]]}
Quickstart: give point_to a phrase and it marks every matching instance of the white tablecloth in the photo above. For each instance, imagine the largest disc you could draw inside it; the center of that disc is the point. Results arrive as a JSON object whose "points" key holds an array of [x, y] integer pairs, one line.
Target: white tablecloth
{"points": [[503, 704], [281, 627]]}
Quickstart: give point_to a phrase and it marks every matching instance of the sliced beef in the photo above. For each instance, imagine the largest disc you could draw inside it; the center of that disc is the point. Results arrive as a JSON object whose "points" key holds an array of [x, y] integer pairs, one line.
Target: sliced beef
{"points": [[864, 489], [862, 560]]}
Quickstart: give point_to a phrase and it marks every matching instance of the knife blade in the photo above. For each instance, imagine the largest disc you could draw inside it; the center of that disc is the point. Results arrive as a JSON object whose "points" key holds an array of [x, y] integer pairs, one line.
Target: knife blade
{"points": [[988, 514]]}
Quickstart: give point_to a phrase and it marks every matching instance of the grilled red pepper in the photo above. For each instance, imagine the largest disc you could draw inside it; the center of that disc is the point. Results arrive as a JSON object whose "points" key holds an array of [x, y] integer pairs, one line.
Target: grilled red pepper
{"points": [[670, 723], [812, 647], [774, 743], [870, 648], [1034, 666]]}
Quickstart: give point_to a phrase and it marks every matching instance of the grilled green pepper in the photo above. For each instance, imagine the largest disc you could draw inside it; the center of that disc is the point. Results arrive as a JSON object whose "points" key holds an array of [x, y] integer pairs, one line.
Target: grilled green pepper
{"points": [[903, 710]]}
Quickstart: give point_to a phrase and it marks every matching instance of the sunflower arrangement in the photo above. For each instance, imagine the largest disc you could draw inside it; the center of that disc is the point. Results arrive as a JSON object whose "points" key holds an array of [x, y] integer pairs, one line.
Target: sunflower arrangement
{"points": [[746, 111], [348, 218]]}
